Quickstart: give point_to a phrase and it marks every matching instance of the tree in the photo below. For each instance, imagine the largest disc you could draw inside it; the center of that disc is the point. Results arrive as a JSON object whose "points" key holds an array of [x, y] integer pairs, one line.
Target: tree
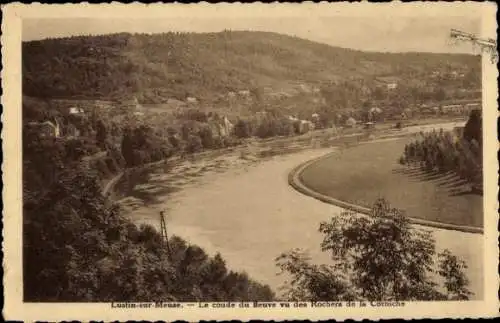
{"points": [[439, 94], [379, 257], [101, 133], [91, 252], [242, 129], [473, 127]]}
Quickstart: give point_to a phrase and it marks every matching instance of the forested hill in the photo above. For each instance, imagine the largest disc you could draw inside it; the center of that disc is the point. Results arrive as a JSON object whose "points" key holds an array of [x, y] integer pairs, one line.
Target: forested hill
{"points": [[153, 67]]}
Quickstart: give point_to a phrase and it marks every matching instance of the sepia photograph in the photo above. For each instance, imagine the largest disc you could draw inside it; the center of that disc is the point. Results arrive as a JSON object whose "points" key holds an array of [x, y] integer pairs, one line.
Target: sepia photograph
{"points": [[251, 160]]}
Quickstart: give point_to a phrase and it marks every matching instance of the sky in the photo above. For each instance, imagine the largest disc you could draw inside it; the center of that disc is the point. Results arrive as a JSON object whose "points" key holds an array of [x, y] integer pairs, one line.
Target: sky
{"points": [[383, 33]]}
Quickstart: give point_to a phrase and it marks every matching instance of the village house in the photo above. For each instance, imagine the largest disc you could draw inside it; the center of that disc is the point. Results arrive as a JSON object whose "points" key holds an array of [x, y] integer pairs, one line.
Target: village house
{"points": [[391, 83], [452, 109], [175, 105], [305, 88], [369, 125], [46, 129], [471, 106], [72, 131], [191, 99], [306, 126], [435, 74], [261, 115], [76, 111], [244, 93], [130, 105], [350, 122]]}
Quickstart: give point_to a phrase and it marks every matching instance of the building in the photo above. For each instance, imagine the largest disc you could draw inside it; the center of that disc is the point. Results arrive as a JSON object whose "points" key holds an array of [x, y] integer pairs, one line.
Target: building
{"points": [[72, 131], [350, 122], [190, 99], [369, 125], [76, 111], [471, 106], [305, 126], [390, 82], [452, 109], [244, 93], [46, 129], [132, 104], [174, 104]]}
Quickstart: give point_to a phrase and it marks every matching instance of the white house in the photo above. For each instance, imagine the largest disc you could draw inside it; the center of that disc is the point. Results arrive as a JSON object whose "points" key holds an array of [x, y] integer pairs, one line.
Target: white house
{"points": [[390, 82], [191, 99], [244, 93], [453, 108], [47, 128], [392, 85], [350, 122], [76, 111]]}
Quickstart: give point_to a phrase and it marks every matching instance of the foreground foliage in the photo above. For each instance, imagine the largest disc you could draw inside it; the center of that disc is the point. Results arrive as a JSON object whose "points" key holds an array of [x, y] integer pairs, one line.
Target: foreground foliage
{"points": [[77, 246], [374, 258]]}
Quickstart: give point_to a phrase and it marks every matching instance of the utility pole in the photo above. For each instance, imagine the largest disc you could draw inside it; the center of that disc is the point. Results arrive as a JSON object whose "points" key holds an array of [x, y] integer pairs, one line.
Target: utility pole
{"points": [[164, 234]]}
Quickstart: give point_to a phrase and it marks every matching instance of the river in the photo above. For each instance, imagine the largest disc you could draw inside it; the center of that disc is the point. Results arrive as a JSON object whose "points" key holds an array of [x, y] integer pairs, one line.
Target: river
{"points": [[247, 211]]}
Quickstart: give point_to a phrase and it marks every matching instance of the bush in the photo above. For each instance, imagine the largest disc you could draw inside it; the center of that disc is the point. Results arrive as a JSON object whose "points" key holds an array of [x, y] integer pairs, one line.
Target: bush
{"points": [[375, 258]]}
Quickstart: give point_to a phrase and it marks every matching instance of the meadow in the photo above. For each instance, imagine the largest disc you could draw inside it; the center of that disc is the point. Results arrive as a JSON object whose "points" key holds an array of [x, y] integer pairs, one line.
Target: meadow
{"points": [[360, 174]]}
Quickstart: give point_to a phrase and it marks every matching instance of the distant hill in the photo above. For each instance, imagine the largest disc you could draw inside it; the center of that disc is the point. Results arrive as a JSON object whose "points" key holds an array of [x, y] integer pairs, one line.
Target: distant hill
{"points": [[156, 67]]}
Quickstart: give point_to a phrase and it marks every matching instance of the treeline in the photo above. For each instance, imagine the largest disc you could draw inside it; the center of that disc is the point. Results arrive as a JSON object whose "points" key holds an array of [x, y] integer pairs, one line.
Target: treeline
{"points": [[77, 245], [446, 151], [269, 126]]}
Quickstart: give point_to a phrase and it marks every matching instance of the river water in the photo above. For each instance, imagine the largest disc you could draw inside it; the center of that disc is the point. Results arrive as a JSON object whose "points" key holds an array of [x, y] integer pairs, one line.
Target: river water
{"points": [[247, 211]]}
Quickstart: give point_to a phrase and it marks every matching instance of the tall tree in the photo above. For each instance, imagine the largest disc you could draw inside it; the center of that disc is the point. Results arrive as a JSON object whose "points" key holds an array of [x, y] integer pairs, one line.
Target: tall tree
{"points": [[473, 127]]}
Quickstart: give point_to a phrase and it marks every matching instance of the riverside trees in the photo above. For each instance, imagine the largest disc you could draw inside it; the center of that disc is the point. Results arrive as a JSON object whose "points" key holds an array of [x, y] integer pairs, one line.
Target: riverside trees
{"points": [[375, 258], [447, 152]]}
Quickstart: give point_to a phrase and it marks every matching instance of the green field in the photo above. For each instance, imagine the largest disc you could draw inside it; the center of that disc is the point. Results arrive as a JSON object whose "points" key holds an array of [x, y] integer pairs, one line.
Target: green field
{"points": [[363, 173]]}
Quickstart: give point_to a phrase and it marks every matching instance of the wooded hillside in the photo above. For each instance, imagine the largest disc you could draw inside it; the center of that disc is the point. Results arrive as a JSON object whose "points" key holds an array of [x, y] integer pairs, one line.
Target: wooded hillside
{"points": [[156, 67]]}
